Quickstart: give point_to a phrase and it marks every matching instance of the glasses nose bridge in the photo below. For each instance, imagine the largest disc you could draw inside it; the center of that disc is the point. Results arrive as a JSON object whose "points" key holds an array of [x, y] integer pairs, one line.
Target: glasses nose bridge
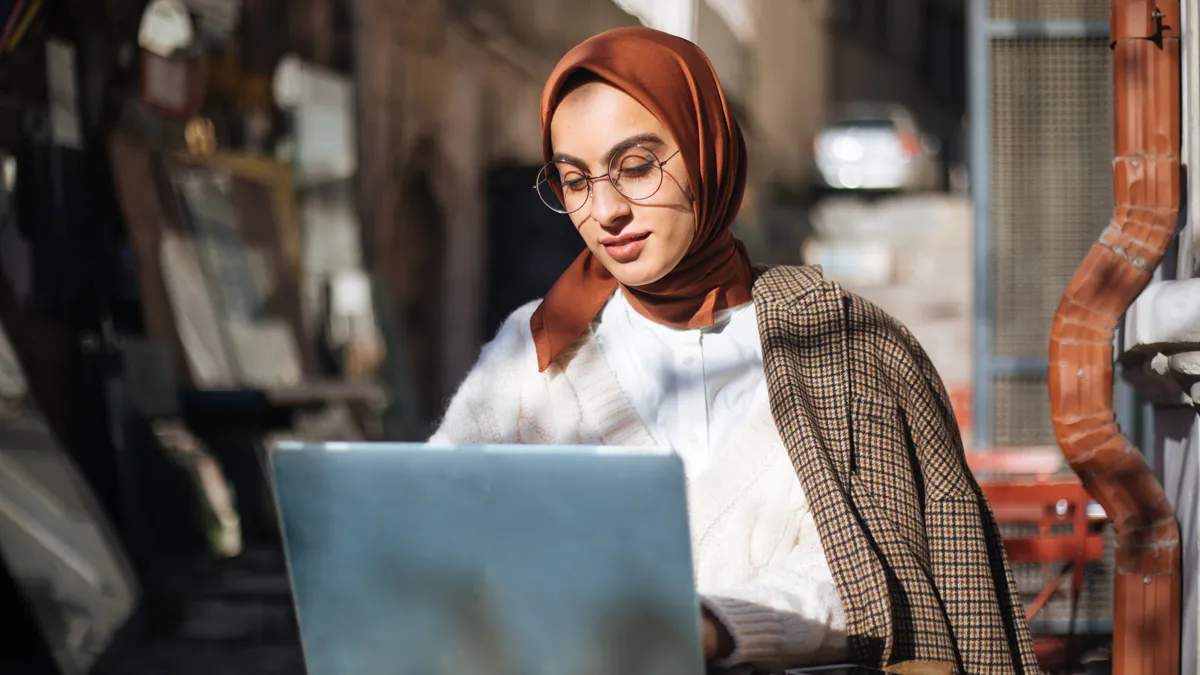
{"points": [[592, 180], [597, 199]]}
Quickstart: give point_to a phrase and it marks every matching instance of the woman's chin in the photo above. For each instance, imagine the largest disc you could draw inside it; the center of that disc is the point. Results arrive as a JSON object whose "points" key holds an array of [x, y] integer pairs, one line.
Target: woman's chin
{"points": [[646, 268], [633, 276]]}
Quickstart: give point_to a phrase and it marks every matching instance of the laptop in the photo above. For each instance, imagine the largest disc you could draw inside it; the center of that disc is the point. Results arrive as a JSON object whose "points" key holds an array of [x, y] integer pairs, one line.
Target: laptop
{"points": [[488, 560]]}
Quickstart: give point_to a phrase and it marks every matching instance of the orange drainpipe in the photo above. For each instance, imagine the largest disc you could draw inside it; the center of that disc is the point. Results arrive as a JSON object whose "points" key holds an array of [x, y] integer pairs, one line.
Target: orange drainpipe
{"points": [[1146, 181]]}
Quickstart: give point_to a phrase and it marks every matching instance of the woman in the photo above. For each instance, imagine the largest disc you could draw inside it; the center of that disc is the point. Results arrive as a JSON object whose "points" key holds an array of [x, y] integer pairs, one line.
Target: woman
{"points": [[832, 513]]}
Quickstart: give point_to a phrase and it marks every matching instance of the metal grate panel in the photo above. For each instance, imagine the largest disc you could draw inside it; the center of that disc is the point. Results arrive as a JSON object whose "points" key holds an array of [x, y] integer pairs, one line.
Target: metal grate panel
{"points": [[1051, 144], [1050, 10], [1021, 410], [1095, 597]]}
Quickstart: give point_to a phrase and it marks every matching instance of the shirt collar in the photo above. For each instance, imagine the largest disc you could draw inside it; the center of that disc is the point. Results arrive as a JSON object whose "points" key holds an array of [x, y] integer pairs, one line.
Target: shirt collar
{"points": [[637, 322]]}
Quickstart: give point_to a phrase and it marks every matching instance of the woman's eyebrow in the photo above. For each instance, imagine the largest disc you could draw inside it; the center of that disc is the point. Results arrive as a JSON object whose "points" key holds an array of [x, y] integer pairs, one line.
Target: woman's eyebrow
{"points": [[569, 159], [639, 139]]}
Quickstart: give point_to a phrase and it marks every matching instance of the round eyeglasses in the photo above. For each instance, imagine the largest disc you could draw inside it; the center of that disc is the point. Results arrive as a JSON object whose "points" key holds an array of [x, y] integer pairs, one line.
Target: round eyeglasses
{"points": [[635, 172]]}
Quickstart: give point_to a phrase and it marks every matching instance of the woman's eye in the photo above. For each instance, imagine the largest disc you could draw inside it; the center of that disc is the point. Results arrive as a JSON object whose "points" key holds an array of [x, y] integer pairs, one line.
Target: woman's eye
{"points": [[637, 170], [574, 184]]}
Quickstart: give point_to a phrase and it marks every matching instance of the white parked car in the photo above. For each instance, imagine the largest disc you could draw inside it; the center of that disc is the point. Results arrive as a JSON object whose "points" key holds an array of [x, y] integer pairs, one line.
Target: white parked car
{"points": [[875, 146]]}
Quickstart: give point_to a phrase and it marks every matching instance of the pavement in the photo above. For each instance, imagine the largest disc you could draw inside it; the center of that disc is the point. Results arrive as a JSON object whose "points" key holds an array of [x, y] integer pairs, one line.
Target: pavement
{"points": [[207, 616]]}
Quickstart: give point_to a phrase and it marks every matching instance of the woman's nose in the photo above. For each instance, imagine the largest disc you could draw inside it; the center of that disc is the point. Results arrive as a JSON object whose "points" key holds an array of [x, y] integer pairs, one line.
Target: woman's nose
{"points": [[608, 206]]}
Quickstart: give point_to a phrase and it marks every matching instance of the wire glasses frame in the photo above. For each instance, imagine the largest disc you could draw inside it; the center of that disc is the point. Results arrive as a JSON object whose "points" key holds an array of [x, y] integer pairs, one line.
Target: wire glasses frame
{"points": [[635, 172]]}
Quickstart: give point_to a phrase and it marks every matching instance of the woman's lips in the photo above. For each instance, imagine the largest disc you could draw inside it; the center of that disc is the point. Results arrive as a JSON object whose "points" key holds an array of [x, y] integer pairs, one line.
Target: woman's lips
{"points": [[626, 248]]}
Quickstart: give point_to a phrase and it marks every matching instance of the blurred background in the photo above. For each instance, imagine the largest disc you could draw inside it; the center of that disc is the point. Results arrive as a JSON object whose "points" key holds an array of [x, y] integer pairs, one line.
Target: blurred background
{"points": [[226, 222]]}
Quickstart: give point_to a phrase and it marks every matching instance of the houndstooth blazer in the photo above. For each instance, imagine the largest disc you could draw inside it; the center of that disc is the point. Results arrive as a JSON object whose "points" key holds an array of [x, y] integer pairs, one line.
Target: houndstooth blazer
{"points": [[911, 541]]}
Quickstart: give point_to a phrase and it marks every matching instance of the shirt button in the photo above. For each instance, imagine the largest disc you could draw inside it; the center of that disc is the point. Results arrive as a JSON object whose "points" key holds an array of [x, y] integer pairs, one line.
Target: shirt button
{"points": [[694, 437], [689, 361]]}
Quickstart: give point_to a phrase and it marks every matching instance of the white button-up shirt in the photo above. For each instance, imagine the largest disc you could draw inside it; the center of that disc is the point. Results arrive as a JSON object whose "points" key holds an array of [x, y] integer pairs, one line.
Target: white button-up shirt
{"points": [[691, 388]]}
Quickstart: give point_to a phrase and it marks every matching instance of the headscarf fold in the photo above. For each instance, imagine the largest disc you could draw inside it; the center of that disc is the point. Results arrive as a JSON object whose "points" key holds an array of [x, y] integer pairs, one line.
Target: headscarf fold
{"points": [[675, 81]]}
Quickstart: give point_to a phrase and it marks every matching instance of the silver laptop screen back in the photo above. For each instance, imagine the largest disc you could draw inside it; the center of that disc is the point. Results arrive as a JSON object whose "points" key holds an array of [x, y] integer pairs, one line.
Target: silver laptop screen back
{"points": [[502, 560]]}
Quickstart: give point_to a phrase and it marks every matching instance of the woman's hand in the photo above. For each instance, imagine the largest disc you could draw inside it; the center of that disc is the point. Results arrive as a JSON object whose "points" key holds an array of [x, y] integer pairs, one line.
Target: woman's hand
{"points": [[718, 643]]}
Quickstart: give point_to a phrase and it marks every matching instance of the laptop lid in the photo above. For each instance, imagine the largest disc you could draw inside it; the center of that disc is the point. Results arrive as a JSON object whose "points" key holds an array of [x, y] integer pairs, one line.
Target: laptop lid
{"points": [[497, 560]]}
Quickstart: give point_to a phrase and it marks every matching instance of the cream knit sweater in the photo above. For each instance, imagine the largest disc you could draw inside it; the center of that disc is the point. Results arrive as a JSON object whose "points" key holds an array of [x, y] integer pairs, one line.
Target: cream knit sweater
{"points": [[759, 563]]}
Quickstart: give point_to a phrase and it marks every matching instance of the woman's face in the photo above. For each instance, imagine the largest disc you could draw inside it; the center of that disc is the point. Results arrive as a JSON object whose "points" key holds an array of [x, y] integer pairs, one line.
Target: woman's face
{"points": [[640, 241]]}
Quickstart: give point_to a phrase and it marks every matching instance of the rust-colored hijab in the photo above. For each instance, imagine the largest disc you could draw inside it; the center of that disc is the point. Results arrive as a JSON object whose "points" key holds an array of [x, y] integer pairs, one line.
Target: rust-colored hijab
{"points": [[675, 81]]}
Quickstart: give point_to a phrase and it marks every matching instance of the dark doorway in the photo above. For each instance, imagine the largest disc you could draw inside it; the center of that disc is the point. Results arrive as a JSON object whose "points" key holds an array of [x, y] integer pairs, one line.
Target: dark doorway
{"points": [[416, 272], [529, 245]]}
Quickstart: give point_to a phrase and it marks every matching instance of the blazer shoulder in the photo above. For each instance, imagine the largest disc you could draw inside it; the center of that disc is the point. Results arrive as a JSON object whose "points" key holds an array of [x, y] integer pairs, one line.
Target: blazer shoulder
{"points": [[787, 285]]}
